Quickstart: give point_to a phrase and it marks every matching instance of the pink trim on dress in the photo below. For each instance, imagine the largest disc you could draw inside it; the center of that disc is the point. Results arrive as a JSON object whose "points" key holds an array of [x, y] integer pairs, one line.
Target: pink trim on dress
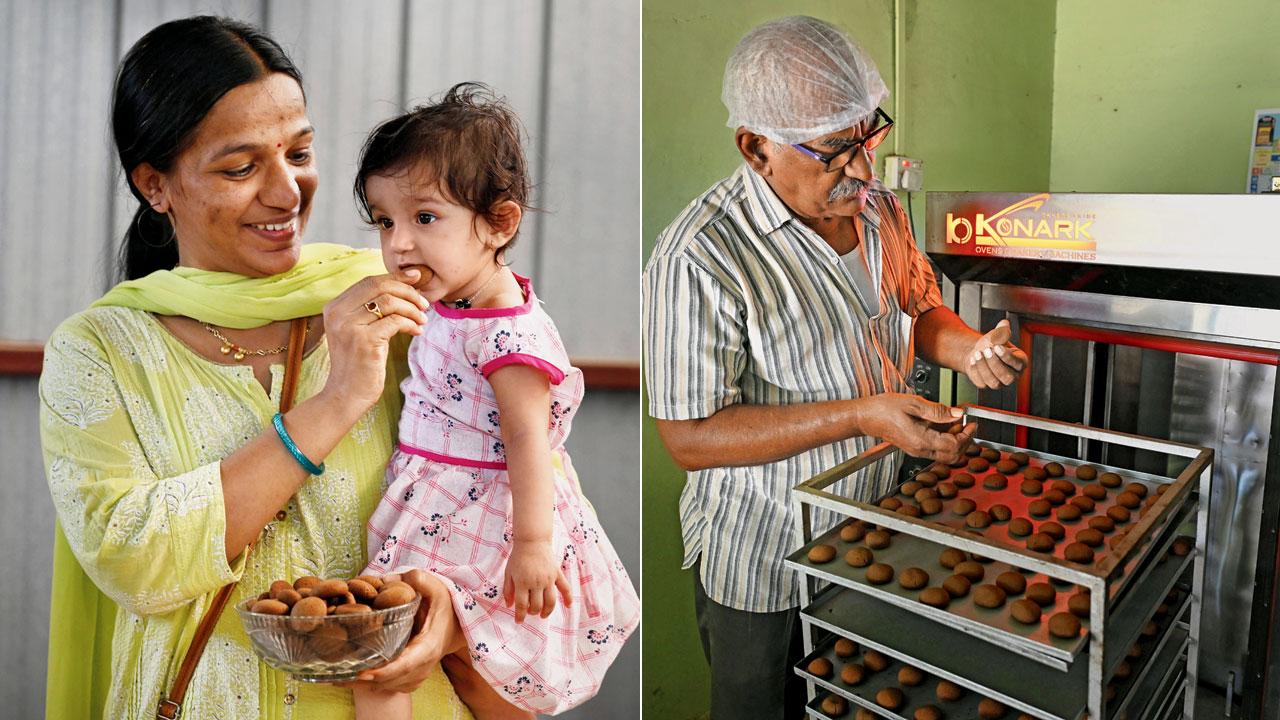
{"points": [[525, 286], [555, 374], [451, 460]]}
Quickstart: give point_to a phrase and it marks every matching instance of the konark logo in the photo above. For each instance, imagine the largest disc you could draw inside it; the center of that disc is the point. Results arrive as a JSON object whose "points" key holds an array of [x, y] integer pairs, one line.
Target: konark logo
{"points": [[1022, 225]]}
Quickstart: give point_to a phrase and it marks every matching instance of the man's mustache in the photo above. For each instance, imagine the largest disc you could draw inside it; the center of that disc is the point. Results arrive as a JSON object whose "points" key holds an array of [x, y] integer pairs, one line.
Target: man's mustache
{"points": [[846, 189]]}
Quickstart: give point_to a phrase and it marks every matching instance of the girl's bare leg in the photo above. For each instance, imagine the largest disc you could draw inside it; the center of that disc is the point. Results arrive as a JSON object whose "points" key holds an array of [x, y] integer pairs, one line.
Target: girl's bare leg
{"points": [[485, 703], [374, 704]]}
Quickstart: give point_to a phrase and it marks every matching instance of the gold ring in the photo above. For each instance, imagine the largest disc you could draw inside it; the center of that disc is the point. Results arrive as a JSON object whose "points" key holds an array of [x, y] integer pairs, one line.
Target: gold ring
{"points": [[372, 306]]}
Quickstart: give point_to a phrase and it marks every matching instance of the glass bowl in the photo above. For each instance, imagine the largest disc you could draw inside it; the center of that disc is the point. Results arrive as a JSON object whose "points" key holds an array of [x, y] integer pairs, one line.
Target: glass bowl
{"points": [[334, 648]]}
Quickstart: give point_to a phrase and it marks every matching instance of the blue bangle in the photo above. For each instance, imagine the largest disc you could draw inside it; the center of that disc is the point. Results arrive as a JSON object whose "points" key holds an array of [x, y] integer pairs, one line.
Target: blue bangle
{"points": [[305, 462]]}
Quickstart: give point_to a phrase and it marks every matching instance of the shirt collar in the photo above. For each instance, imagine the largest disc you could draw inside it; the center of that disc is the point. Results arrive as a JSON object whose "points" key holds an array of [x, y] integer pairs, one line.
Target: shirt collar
{"points": [[768, 213]]}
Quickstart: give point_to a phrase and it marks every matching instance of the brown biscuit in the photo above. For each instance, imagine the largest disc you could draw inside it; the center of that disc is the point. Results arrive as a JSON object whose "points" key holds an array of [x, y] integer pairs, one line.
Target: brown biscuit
{"points": [[1042, 594], [1118, 514], [913, 578], [1137, 488], [973, 450], [1064, 625], [957, 586], [1069, 513], [978, 519], [942, 471], [1078, 552], [1151, 629], [1182, 546], [1021, 458], [947, 490], [853, 674], [1053, 530], [951, 557], [1128, 500], [970, 569], [820, 667], [1123, 671], [1020, 527], [1054, 470], [910, 487], [963, 506], [1110, 479], [853, 531], [909, 510], [927, 479], [910, 676], [890, 698], [1095, 492], [879, 573], [1102, 523], [1078, 605], [1008, 467], [874, 660], [1084, 502], [988, 596], [1031, 488], [930, 506], [1090, 537], [1035, 473], [962, 480], [845, 648], [835, 706], [1055, 497], [995, 481], [890, 503], [1041, 543], [990, 454], [979, 558], [990, 709], [1135, 652], [1000, 512], [822, 553], [1013, 583], [859, 557], [1025, 611], [935, 596], [1039, 508], [877, 539], [927, 712], [948, 691], [1066, 487], [979, 465], [1087, 473], [925, 493]]}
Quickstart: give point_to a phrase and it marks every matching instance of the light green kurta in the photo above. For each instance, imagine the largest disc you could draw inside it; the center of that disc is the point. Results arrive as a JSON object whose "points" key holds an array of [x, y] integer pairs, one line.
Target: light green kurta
{"points": [[134, 426]]}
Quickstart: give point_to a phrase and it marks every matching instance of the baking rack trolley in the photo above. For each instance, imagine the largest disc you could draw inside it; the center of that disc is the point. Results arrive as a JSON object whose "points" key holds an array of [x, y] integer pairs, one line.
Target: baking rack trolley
{"points": [[1130, 585]]}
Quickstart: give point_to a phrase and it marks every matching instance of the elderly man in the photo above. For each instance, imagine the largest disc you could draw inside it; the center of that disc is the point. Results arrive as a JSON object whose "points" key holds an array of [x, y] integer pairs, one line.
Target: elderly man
{"points": [[783, 307]]}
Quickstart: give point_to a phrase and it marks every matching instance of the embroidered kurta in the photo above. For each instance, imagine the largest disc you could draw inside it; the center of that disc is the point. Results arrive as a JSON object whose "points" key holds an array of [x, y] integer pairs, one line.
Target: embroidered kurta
{"points": [[746, 304], [134, 426]]}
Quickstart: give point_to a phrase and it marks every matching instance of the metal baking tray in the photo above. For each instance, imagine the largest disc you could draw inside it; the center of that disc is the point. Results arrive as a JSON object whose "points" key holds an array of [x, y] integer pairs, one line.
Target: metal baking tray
{"points": [[947, 652], [864, 694], [1125, 625], [1172, 630], [1159, 679]]}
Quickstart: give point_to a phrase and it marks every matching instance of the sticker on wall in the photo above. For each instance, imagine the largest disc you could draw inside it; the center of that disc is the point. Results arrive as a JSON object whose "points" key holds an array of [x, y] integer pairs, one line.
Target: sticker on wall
{"points": [[1264, 153]]}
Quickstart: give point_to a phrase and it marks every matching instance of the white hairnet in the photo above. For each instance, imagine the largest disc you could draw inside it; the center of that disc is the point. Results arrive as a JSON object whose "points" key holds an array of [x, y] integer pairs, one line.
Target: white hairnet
{"points": [[796, 78]]}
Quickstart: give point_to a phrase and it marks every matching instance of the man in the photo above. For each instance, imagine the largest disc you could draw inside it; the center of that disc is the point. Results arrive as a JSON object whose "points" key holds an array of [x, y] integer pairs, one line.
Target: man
{"points": [[783, 308]]}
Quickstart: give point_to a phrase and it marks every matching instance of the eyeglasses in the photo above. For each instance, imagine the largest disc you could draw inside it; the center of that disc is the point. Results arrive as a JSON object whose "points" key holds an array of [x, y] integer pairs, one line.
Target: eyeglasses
{"points": [[844, 156]]}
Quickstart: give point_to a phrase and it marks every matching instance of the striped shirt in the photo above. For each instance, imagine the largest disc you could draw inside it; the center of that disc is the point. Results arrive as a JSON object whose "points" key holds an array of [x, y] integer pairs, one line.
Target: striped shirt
{"points": [[746, 304]]}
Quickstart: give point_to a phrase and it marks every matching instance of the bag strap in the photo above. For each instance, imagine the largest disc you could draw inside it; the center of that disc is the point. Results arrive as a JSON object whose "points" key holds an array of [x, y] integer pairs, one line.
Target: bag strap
{"points": [[170, 707]]}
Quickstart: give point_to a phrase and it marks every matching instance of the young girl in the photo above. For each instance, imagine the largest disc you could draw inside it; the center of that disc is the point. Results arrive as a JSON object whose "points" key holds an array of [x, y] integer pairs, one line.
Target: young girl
{"points": [[481, 491]]}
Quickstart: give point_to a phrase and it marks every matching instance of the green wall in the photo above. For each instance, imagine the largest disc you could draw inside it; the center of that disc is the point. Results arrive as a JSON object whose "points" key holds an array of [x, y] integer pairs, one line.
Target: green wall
{"points": [[974, 105], [1161, 101]]}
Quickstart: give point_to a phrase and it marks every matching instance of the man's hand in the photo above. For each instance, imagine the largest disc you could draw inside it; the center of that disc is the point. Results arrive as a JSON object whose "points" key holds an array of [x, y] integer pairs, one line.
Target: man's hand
{"points": [[917, 426], [994, 361]]}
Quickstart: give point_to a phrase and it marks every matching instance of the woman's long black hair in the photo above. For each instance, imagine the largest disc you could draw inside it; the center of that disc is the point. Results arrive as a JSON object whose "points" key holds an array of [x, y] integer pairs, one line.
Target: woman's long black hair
{"points": [[167, 83]]}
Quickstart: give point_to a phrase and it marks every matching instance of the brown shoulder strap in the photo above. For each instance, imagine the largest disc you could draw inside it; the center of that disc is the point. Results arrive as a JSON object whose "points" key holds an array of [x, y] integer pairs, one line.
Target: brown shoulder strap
{"points": [[171, 707]]}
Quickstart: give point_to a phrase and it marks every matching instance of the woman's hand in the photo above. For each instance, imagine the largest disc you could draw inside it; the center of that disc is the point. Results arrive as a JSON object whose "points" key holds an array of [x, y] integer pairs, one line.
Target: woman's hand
{"points": [[531, 579], [359, 338], [437, 635]]}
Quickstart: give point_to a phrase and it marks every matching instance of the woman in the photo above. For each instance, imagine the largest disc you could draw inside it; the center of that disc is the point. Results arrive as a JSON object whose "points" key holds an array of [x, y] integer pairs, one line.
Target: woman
{"points": [[157, 402]]}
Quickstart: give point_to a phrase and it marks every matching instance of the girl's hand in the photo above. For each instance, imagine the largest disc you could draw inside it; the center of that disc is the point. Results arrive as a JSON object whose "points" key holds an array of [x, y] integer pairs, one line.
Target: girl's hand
{"points": [[531, 579], [437, 635], [359, 338]]}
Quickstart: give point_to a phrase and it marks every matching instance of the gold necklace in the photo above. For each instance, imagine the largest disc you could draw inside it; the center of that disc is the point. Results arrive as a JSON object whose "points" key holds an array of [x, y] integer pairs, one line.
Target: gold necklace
{"points": [[239, 352]]}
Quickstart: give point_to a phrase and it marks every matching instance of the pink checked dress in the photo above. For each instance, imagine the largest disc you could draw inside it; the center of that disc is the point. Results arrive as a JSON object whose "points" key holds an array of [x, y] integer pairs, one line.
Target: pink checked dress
{"points": [[447, 508]]}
